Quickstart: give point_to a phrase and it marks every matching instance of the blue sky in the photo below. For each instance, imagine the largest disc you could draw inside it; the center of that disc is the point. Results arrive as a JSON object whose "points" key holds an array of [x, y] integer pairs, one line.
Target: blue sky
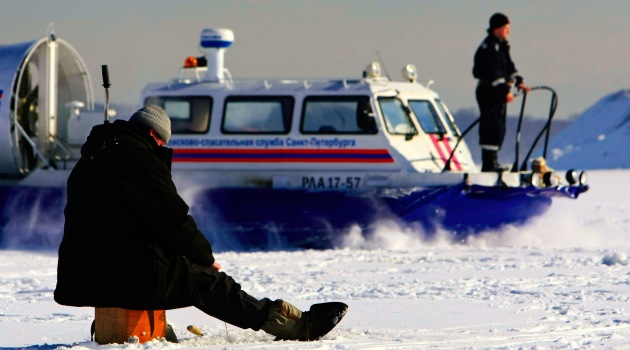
{"points": [[580, 48]]}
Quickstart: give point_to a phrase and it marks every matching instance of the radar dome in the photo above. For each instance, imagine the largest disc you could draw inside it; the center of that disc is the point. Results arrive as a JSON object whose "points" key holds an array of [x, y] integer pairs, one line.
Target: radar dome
{"points": [[214, 42], [216, 38]]}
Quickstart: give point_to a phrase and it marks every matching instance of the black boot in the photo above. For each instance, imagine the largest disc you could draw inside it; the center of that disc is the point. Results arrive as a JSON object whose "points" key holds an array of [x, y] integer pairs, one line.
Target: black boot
{"points": [[170, 335], [322, 318], [489, 162], [287, 322]]}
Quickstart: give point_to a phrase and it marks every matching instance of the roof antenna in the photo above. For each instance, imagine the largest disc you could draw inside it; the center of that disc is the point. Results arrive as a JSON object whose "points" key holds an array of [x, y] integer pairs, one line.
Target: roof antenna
{"points": [[383, 64], [50, 32], [106, 85]]}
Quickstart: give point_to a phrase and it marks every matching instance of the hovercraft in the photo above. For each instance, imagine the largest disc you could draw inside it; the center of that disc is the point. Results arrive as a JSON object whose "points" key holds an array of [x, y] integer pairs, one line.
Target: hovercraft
{"points": [[271, 163]]}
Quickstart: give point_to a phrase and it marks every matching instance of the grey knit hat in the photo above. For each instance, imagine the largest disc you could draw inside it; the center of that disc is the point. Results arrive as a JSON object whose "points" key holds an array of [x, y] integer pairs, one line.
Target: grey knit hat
{"points": [[153, 117]]}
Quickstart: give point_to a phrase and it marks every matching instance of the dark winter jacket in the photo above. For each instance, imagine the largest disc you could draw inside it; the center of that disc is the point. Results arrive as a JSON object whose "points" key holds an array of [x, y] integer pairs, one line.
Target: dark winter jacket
{"points": [[128, 239], [493, 66]]}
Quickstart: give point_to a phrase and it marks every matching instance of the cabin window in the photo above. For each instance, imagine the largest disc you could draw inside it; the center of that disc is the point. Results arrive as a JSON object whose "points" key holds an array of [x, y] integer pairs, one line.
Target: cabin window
{"points": [[450, 121], [189, 114], [427, 116], [257, 115], [396, 116], [338, 115]]}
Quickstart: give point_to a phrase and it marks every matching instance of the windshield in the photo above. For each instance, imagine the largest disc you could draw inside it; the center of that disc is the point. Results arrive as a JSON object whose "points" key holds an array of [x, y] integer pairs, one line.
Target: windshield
{"points": [[427, 116], [396, 117], [450, 121]]}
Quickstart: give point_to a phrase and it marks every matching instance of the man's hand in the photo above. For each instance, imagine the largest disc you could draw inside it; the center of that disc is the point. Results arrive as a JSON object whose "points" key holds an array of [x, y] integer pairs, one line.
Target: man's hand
{"points": [[523, 87], [509, 97]]}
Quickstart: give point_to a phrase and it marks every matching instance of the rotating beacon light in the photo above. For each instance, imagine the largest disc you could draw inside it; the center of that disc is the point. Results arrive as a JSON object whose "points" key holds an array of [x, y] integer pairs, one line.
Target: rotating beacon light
{"points": [[214, 42]]}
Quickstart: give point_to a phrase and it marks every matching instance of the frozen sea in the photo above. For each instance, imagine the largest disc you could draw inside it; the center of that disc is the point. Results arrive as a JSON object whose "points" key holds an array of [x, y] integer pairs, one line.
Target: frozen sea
{"points": [[561, 282]]}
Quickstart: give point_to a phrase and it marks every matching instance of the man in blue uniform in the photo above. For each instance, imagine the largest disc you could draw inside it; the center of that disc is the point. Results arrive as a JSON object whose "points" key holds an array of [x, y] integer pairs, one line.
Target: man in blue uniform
{"points": [[494, 69]]}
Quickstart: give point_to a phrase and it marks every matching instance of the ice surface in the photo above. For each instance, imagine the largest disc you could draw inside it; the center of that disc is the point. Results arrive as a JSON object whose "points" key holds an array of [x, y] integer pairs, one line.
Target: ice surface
{"points": [[561, 282]]}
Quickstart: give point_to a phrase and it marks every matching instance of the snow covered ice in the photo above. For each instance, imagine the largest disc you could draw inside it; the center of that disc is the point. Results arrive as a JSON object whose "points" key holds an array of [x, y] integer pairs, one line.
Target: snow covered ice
{"points": [[561, 282]]}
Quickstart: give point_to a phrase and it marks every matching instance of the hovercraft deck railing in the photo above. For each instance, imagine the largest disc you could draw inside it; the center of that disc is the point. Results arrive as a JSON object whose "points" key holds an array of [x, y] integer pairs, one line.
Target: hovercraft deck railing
{"points": [[553, 105], [545, 130]]}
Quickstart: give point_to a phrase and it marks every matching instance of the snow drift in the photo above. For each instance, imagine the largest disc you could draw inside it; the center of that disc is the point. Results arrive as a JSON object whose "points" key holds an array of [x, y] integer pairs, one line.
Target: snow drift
{"points": [[598, 139]]}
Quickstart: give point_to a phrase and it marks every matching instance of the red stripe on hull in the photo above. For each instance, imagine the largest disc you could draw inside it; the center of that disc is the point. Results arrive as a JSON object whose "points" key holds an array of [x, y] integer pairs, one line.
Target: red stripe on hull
{"points": [[280, 160], [235, 155], [438, 148], [278, 151], [458, 166]]}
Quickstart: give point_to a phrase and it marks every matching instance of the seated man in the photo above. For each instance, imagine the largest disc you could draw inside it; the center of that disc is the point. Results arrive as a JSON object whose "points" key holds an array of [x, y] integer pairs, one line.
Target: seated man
{"points": [[130, 243]]}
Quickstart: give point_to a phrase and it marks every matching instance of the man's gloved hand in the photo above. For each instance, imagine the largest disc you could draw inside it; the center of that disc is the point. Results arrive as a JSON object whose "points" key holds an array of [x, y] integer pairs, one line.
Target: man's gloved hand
{"points": [[523, 87]]}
